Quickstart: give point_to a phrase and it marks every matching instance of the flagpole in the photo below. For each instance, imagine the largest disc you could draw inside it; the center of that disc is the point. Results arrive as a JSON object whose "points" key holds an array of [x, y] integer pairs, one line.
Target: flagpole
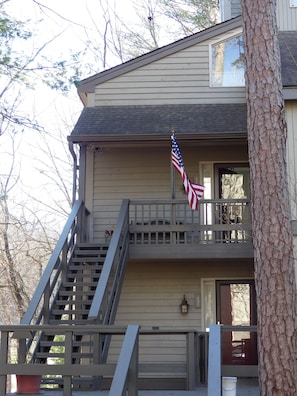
{"points": [[172, 182], [172, 173]]}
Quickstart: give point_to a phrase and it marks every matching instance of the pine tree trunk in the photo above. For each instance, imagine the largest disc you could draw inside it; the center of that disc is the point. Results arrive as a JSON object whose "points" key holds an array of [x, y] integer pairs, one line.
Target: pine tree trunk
{"points": [[273, 241]]}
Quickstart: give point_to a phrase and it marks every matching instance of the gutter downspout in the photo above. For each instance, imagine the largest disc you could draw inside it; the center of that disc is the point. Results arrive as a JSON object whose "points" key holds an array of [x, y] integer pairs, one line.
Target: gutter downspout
{"points": [[75, 169]]}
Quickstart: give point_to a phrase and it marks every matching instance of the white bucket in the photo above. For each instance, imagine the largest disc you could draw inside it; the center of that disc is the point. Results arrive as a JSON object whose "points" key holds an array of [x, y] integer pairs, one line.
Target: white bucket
{"points": [[229, 386]]}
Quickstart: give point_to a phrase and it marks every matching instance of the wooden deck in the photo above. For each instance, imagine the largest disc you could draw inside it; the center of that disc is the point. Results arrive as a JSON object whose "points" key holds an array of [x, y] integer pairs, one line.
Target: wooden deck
{"points": [[245, 387]]}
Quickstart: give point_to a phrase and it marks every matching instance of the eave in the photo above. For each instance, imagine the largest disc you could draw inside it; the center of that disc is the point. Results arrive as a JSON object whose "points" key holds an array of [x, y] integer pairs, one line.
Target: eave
{"points": [[88, 85]]}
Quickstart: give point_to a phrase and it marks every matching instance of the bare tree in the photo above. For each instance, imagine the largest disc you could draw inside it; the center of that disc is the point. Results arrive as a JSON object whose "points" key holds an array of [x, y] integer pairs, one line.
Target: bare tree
{"points": [[30, 220], [116, 37], [24, 62], [273, 242]]}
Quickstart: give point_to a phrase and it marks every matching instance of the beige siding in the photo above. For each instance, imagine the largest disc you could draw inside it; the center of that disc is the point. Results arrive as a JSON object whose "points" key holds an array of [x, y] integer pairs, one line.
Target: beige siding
{"points": [[129, 174], [152, 294], [144, 173], [181, 78], [287, 16], [291, 114]]}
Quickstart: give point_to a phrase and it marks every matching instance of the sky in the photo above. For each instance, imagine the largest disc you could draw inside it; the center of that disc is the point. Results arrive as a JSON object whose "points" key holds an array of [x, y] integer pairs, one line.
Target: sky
{"points": [[70, 23]]}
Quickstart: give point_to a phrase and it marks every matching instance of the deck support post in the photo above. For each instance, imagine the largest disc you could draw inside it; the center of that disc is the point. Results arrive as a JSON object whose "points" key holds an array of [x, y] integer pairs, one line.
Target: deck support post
{"points": [[214, 363]]}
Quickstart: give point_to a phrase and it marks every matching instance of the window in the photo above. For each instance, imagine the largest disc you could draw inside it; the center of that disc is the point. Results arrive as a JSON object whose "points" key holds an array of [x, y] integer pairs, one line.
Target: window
{"points": [[227, 63], [293, 3]]}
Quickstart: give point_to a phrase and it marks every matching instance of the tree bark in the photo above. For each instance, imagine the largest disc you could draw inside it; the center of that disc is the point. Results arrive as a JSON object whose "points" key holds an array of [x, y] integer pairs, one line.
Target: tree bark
{"points": [[273, 240]]}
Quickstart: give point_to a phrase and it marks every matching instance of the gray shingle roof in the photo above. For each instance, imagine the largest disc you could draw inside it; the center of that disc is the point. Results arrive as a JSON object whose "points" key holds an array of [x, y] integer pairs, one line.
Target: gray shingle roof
{"points": [[160, 120], [212, 119]]}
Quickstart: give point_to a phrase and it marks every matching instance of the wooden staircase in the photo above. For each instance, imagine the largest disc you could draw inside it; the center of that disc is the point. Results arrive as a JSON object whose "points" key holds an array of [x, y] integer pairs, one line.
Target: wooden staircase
{"points": [[71, 307], [77, 289], [69, 319]]}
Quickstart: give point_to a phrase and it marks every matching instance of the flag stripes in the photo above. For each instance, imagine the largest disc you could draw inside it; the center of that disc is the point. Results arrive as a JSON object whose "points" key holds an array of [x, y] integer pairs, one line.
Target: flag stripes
{"points": [[194, 191]]}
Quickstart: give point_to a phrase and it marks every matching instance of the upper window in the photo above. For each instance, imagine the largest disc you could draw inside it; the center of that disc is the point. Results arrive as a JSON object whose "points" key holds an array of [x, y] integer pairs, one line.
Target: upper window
{"points": [[227, 63], [293, 3]]}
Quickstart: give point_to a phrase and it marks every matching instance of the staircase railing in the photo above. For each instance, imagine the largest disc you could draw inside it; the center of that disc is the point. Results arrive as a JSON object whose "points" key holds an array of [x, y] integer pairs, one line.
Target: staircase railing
{"points": [[124, 373], [104, 304], [45, 293]]}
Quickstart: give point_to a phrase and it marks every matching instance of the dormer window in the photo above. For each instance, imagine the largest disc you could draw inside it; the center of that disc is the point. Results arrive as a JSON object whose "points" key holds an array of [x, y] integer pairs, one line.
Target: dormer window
{"points": [[227, 63]]}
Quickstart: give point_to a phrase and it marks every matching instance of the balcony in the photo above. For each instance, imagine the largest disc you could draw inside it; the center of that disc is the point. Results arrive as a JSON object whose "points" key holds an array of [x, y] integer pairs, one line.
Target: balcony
{"points": [[171, 229]]}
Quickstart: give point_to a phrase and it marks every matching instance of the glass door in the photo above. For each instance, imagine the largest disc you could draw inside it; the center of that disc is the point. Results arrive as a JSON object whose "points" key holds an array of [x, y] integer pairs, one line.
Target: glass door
{"points": [[233, 181], [236, 306], [233, 189]]}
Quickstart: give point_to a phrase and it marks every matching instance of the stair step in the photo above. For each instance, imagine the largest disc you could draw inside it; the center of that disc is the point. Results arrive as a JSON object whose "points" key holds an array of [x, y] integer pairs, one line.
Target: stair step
{"points": [[73, 302], [62, 344], [87, 259], [86, 245], [69, 321], [90, 253], [86, 271], [85, 267], [76, 355], [83, 276], [80, 284], [70, 311], [76, 293], [64, 308]]}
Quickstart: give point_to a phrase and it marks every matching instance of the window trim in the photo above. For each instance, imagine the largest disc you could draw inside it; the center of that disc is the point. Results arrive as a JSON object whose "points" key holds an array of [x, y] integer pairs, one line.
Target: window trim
{"points": [[227, 37]]}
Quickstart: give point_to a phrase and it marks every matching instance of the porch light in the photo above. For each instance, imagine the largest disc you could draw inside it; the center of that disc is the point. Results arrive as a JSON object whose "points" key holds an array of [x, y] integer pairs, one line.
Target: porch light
{"points": [[184, 306]]}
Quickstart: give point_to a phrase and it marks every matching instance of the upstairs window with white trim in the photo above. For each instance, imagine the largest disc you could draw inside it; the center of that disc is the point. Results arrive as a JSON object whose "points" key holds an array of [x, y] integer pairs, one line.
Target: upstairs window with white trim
{"points": [[293, 3], [227, 63]]}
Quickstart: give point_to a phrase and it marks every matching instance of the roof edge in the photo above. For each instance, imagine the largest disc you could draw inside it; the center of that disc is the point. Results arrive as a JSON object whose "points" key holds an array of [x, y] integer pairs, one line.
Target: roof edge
{"points": [[290, 93], [88, 85], [155, 137]]}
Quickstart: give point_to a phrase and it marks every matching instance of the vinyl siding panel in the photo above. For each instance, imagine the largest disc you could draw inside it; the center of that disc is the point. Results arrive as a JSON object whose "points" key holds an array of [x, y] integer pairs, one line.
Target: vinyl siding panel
{"points": [[287, 16], [151, 296], [181, 78], [132, 174], [144, 173], [235, 8], [291, 115]]}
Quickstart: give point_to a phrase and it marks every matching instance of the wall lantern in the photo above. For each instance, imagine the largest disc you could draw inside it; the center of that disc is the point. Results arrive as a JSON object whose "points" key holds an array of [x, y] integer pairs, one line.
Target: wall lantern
{"points": [[184, 306]]}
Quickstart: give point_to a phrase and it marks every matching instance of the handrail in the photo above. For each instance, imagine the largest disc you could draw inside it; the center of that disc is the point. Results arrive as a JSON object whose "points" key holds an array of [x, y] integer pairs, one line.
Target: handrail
{"points": [[126, 373], [215, 354], [127, 366], [68, 367], [109, 285], [60, 253], [164, 221]]}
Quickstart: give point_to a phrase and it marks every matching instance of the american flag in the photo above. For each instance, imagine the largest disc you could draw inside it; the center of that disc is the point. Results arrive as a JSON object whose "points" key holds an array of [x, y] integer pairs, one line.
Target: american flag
{"points": [[194, 191]]}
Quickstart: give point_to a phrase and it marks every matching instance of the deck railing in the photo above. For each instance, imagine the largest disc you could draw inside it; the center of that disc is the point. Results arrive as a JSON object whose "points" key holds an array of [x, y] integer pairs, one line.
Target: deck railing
{"points": [[123, 373], [173, 221], [216, 369]]}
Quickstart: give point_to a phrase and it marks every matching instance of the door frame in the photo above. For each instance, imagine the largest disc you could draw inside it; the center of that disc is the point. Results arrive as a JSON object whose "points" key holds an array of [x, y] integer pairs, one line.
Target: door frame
{"points": [[217, 166], [210, 284]]}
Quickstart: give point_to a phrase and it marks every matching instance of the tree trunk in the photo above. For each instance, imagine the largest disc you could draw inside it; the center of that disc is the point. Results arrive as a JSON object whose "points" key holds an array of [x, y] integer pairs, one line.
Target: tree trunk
{"points": [[273, 241]]}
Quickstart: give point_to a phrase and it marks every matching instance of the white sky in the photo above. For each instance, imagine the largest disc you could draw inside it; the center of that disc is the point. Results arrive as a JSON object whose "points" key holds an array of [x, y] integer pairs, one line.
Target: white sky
{"points": [[70, 19]]}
